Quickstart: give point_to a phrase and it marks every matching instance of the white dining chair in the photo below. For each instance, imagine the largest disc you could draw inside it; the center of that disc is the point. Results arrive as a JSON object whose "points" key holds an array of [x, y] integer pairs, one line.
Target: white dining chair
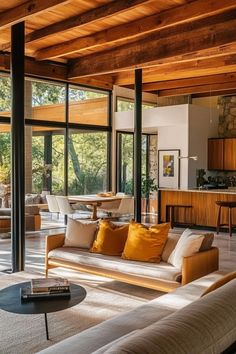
{"points": [[52, 204], [126, 208], [123, 207], [109, 207], [64, 206]]}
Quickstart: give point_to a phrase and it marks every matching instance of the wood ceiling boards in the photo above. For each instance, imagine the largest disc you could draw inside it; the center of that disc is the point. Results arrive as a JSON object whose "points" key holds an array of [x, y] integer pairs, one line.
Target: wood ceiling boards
{"points": [[183, 46]]}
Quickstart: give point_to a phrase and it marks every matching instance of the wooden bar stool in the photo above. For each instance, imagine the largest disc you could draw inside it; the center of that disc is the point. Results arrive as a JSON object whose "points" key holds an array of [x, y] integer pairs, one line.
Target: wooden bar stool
{"points": [[170, 213], [230, 206]]}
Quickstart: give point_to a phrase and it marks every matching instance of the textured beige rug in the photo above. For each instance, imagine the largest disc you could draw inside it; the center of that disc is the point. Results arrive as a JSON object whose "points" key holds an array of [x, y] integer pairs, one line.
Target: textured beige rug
{"points": [[25, 334]]}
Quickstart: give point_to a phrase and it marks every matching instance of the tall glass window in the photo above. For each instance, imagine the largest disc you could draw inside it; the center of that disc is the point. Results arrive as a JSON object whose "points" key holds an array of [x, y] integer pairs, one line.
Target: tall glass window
{"points": [[45, 163], [45, 100], [125, 166], [87, 162], [88, 106], [126, 104], [5, 165], [5, 96]]}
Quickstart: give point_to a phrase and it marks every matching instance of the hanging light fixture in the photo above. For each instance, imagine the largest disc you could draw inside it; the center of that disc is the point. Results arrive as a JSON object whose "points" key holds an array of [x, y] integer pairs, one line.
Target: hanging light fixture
{"points": [[188, 157]]}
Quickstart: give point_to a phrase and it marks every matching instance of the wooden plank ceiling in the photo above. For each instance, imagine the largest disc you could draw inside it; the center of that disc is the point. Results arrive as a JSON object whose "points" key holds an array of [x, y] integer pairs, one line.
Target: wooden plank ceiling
{"points": [[183, 46]]}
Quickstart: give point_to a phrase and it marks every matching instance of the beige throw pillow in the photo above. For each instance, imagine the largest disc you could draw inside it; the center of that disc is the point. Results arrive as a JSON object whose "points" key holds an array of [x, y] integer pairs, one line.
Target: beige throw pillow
{"points": [[188, 244], [80, 234]]}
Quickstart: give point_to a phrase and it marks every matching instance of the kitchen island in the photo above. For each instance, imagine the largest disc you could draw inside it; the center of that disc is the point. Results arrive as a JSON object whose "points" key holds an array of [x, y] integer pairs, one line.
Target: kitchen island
{"points": [[204, 210]]}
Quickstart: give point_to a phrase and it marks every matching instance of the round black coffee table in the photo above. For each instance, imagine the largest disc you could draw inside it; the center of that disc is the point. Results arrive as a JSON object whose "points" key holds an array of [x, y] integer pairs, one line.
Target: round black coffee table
{"points": [[10, 300]]}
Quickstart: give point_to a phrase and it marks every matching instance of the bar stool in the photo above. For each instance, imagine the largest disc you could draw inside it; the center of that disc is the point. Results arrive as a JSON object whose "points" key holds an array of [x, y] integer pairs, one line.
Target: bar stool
{"points": [[230, 206], [170, 213]]}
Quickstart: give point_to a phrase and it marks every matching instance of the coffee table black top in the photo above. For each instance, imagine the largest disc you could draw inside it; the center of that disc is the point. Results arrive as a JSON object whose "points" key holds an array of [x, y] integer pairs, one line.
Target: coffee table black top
{"points": [[10, 300]]}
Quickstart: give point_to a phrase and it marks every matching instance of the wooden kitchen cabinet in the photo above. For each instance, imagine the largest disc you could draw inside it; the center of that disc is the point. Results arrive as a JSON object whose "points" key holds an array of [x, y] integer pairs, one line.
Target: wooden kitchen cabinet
{"points": [[230, 154], [222, 154], [216, 154]]}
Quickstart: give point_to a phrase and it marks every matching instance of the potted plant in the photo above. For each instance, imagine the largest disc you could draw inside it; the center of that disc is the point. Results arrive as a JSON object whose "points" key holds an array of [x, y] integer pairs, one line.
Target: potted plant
{"points": [[148, 186]]}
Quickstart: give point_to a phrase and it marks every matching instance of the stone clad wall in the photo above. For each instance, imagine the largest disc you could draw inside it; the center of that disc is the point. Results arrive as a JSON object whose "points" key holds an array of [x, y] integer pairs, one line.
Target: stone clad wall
{"points": [[227, 117]]}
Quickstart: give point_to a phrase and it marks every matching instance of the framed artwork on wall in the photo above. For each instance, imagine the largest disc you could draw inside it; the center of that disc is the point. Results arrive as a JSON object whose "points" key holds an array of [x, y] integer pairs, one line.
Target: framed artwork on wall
{"points": [[168, 168]]}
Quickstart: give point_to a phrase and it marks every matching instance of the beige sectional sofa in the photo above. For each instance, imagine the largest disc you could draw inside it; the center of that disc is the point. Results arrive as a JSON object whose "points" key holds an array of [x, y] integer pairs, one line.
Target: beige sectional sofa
{"points": [[179, 322], [161, 276]]}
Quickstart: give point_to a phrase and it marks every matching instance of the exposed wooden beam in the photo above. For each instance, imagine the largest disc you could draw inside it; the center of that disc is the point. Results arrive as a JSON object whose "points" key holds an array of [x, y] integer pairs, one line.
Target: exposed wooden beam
{"points": [[55, 71], [198, 89], [200, 35], [185, 13], [195, 81], [27, 9], [102, 12], [214, 93], [178, 70], [100, 82]]}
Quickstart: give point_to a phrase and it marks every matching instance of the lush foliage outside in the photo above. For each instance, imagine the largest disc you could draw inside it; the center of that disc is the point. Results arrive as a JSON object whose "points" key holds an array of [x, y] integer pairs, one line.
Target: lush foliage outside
{"points": [[128, 105], [87, 151], [127, 168], [87, 162]]}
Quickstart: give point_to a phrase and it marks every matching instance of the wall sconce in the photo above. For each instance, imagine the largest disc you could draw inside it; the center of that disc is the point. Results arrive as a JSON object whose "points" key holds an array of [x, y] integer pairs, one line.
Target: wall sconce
{"points": [[189, 157]]}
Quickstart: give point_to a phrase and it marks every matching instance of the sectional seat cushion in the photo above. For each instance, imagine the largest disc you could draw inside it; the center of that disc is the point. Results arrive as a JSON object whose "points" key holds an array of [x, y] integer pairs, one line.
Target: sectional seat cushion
{"points": [[110, 238], [80, 234], [150, 270], [145, 243], [206, 326], [188, 244]]}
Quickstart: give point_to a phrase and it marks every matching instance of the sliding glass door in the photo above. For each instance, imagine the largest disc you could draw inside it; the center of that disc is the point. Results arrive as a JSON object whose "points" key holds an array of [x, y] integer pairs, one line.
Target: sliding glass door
{"points": [[125, 168]]}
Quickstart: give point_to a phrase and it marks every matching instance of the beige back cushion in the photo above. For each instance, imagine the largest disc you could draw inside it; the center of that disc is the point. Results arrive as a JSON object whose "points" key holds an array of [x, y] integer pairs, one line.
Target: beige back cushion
{"points": [[188, 244], [171, 242], [80, 234]]}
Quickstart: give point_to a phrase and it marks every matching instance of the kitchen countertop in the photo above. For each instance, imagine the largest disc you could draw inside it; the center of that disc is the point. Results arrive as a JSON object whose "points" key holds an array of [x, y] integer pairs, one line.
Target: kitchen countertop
{"points": [[196, 190]]}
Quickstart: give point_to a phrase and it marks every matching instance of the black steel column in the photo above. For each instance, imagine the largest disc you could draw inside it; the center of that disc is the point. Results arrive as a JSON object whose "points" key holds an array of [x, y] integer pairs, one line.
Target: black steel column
{"points": [[138, 146], [109, 144], [18, 147], [47, 179], [66, 150]]}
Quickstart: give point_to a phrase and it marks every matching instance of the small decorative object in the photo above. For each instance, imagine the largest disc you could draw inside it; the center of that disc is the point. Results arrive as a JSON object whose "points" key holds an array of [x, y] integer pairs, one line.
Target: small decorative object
{"points": [[200, 173], [168, 171], [46, 288]]}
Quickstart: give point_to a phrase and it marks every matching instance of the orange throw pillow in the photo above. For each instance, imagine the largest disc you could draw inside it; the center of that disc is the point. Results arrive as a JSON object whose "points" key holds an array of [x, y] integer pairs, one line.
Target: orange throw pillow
{"points": [[222, 281], [145, 243], [110, 239]]}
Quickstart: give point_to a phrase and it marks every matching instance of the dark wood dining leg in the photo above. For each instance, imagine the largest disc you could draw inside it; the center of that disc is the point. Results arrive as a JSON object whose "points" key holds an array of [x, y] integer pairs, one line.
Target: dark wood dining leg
{"points": [[94, 214]]}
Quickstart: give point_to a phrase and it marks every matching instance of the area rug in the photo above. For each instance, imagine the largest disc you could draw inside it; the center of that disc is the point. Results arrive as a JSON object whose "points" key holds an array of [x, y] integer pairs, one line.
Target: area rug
{"points": [[25, 334]]}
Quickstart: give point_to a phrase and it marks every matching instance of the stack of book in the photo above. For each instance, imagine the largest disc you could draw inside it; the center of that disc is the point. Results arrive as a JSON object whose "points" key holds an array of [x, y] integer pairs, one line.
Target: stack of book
{"points": [[45, 288]]}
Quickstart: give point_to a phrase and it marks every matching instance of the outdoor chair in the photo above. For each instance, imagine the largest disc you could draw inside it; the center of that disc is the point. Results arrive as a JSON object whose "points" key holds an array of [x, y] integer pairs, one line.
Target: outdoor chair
{"points": [[64, 206], [125, 207], [109, 207], [52, 205]]}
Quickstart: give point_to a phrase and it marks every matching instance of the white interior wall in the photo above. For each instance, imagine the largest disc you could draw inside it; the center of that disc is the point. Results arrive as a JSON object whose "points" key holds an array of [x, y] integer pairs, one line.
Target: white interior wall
{"points": [[184, 127], [153, 118], [203, 124], [171, 123]]}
